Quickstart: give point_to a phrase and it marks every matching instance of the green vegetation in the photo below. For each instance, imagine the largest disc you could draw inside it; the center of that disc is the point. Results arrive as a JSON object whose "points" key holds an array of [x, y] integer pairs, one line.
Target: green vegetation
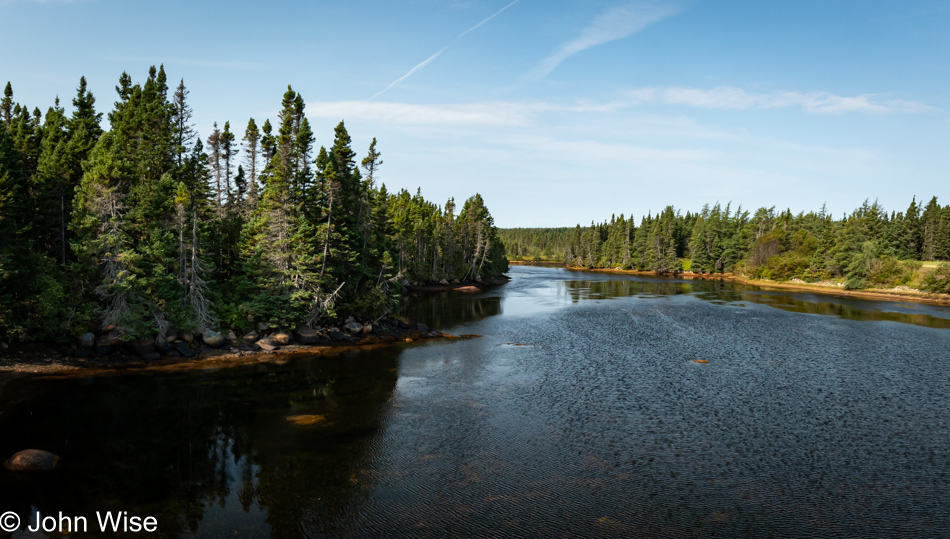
{"points": [[143, 229], [867, 249]]}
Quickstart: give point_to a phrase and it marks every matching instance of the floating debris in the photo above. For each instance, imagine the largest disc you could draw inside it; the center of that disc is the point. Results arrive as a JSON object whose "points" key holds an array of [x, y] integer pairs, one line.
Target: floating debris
{"points": [[700, 361]]}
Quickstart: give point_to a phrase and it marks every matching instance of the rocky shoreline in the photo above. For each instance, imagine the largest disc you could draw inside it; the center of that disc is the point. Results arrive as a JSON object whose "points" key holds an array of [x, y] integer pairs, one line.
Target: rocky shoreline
{"points": [[92, 354]]}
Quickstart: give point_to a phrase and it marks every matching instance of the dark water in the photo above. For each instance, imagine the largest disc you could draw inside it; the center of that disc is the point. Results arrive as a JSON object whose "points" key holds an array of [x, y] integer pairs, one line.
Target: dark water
{"points": [[581, 412]]}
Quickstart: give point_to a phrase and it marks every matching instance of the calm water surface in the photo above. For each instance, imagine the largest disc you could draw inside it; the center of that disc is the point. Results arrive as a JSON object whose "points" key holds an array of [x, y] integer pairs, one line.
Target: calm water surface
{"points": [[580, 412]]}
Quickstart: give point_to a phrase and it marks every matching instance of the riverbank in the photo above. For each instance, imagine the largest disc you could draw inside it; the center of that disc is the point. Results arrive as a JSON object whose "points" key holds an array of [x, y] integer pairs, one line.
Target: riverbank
{"points": [[35, 360], [828, 288], [64, 360]]}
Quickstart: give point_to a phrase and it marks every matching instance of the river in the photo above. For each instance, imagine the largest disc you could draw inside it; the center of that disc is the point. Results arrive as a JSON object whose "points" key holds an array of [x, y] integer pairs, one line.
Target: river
{"points": [[581, 411]]}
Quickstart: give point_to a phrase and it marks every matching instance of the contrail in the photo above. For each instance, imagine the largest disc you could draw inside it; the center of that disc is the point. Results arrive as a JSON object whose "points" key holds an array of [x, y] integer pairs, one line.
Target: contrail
{"points": [[440, 51]]}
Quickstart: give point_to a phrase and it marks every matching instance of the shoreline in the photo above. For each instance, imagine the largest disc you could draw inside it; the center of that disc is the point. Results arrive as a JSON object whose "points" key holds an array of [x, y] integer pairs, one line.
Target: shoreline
{"points": [[48, 366], [830, 290], [46, 360]]}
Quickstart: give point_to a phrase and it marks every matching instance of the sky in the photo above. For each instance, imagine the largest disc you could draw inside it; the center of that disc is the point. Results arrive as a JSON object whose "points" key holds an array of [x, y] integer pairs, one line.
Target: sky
{"points": [[557, 112]]}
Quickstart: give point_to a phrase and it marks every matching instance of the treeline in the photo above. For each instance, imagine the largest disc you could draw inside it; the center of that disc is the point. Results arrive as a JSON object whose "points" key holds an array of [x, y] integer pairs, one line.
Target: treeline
{"points": [[867, 248], [144, 229]]}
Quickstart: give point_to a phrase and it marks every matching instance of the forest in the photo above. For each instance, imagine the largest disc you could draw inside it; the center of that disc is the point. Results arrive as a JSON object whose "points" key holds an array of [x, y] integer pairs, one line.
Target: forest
{"points": [[143, 229], [867, 249]]}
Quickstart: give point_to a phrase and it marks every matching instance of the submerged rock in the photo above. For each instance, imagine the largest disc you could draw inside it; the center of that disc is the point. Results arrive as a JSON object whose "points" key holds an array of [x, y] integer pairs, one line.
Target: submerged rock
{"points": [[32, 460]]}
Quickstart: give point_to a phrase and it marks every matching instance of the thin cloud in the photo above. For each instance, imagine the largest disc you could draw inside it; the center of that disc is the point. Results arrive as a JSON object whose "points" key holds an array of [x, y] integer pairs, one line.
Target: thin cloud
{"points": [[475, 114], [615, 23], [439, 52], [728, 97]]}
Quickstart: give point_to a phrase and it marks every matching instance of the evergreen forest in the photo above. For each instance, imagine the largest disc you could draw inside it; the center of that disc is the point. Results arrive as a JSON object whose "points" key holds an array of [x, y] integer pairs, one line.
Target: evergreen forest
{"points": [[142, 227], [867, 249]]}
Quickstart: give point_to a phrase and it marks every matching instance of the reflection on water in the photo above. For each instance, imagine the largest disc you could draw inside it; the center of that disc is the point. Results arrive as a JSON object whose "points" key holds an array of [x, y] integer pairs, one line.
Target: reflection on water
{"points": [[594, 405], [577, 290], [206, 451]]}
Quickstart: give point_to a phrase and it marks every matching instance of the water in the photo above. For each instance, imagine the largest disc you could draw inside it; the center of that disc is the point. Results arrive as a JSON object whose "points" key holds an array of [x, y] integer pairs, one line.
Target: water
{"points": [[580, 412]]}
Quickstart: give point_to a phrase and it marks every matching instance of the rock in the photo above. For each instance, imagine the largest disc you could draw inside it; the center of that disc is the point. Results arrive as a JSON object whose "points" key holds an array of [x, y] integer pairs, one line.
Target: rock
{"points": [[32, 460], [455, 281], [88, 340], [171, 351], [336, 334], [444, 282], [140, 347], [422, 327], [405, 283], [403, 324], [499, 281], [281, 338], [350, 319], [186, 336], [151, 356], [262, 327], [478, 278], [171, 338], [308, 336], [232, 336], [251, 337], [267, 344], [353, 328], [367, 328], [213, 339]]}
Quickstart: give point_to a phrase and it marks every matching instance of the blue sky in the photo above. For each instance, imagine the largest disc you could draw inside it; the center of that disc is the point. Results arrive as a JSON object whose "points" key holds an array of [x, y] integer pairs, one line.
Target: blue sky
{"points": [[557, 111]]}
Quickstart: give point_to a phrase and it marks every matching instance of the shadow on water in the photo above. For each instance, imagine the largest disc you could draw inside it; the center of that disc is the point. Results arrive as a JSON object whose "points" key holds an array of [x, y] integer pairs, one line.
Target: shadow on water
{"points": [[443, 310], [255, 451]]}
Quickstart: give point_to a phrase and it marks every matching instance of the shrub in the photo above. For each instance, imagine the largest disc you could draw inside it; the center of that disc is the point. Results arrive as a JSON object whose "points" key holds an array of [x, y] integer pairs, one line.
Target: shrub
{"points": [[939, 280]]}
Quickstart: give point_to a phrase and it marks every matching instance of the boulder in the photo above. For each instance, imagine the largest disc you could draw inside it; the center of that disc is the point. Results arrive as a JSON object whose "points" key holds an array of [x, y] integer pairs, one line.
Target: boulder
{"points": [[262, 327], [88, 340], [455, 281], [444, 282], [251, 337], [422, 327], [336, 334], [281, 338], [308, 336], [232, 336], [171, 337], [105, 345], [213, 339], [151, 356], [353, 328], [267, 344], [478, 278], [32, 460], [186, 336], [405, 283], [140, 347], [367, 328]]}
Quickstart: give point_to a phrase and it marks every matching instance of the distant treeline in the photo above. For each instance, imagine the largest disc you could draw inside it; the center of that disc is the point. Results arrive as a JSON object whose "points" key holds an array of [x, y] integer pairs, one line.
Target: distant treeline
{"points": [[868, 248], [144, 229]]}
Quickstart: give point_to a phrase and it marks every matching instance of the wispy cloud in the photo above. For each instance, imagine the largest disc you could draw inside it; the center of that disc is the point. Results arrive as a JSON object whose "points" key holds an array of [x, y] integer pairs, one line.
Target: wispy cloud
{"points": [[615, 23], [439, 52], [728, 97], [474, 114]]}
